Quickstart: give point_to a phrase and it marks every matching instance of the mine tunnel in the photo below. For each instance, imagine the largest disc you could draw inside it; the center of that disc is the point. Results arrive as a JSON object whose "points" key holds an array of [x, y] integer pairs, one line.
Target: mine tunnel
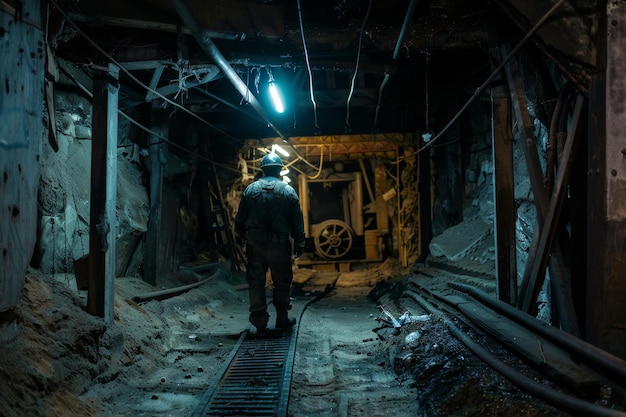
{"points": [[458, 166]]}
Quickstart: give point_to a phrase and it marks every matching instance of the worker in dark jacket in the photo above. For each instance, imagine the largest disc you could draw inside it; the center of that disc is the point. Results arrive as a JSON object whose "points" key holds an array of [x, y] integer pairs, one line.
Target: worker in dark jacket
{"points": [[269, 214]]}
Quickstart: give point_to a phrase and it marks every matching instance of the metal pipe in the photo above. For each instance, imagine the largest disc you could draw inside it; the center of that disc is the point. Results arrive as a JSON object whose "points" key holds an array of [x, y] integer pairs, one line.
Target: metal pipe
{"points": [[171, 292], [396, 52], [203, 38]]}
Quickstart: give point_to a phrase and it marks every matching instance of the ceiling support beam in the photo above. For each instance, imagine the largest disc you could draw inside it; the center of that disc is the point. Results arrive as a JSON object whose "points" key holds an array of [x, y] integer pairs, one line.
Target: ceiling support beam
{"points": [[203, 37], [102, 214]]}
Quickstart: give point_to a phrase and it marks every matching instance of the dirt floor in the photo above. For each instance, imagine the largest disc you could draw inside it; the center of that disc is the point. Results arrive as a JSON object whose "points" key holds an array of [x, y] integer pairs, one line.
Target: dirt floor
{"points": [[161, 355]]}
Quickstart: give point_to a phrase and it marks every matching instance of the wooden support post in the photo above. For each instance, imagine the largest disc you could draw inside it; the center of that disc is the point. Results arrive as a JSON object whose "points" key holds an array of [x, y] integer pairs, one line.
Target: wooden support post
{"points": [[152, 254], [102, 228], [606, 253], [531, 284], [548, 232], [504, 196], [424, 192]]}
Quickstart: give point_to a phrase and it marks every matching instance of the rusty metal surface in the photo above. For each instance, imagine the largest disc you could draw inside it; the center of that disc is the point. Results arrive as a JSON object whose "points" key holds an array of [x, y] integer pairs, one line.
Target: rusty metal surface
{"points": [[21, 132], [256, 378], [340, 147]]}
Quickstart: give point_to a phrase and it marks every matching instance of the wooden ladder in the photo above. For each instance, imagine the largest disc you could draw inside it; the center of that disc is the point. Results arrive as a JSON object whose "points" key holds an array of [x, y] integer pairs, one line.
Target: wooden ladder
{"points": [[221, 234]]}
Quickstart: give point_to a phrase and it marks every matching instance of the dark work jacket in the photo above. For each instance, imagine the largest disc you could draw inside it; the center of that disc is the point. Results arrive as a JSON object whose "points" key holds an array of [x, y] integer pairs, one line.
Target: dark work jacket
{"points": [[270, 210]]}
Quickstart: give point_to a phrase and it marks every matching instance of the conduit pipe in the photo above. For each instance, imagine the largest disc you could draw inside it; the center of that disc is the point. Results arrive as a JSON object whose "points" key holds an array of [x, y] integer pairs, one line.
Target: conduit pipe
{"points": [[589, 352], [396, 52], [172, 292], [558, 399], [203, 38]]}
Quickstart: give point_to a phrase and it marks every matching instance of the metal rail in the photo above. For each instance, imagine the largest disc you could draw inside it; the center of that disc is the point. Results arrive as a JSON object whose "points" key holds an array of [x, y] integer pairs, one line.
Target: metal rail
{"points": [[256, 377], [255, 380]]}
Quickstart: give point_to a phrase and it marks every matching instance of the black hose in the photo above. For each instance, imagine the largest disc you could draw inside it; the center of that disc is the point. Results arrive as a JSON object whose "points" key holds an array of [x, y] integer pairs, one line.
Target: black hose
{"points": [[171, 292], [589, 352], [560, 400]]}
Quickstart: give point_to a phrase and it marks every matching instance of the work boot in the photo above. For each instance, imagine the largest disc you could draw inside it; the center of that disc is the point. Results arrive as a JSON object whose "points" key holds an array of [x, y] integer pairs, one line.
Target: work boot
{"points": [[261, 331], [284, 322]]}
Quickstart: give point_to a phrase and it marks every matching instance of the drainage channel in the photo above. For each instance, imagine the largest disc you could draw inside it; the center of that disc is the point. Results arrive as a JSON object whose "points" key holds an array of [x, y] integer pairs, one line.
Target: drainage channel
{"points": [[255, 379]]}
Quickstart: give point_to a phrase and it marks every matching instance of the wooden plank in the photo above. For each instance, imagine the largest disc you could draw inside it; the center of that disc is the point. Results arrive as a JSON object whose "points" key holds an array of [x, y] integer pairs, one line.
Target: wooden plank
{"points": [[21, 133], [606, 254], [102, 222], [546, 239], [151, 257], [532, 283], [504, 196]]}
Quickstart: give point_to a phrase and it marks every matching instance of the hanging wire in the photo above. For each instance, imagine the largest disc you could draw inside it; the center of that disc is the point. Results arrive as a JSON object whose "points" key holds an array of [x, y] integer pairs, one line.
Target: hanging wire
{"points": [[125, 71], [163, 139], [132, 77], [358, 58], [426, 88], [488, 80], [308, 65]]}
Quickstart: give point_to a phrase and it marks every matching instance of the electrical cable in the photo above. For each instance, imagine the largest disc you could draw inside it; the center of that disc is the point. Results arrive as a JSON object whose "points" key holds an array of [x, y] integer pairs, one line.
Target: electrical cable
{"points": [[125, 71], [308, 65], [132, 77], [557, 398], [358, 58], [232, 106], [147, 130], [491, 77], [319, 171]]}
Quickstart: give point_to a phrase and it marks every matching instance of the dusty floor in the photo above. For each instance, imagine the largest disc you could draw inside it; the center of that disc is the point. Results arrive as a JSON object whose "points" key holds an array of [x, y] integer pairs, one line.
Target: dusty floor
{"points": [[161, 355]]}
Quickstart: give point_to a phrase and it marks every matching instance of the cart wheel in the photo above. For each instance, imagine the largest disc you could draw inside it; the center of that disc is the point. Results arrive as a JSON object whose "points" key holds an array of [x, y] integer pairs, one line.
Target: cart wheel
{"points": [[334, 239]]}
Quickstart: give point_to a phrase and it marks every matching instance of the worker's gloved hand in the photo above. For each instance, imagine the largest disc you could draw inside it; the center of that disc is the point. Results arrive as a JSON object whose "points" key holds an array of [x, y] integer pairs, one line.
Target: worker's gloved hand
{"points": [[297, 251]]}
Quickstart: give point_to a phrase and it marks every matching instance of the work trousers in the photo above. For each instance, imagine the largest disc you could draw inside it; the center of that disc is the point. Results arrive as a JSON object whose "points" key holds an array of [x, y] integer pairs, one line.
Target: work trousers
{"points": [[264, 255]]}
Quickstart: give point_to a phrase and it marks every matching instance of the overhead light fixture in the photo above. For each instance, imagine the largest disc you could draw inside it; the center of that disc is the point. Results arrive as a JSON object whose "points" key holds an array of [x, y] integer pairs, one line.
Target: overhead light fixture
{"points": [[286, 180], [284, 172], [280, 150], [275, 95], [276, 100]]}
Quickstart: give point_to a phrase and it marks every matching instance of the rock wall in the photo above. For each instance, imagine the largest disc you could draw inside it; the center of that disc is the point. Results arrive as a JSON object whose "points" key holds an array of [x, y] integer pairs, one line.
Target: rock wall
{"points": [[64, 195]]}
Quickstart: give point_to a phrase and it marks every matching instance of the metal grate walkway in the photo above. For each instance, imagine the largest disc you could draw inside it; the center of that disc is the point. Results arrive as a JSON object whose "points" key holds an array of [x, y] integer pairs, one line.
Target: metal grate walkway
{"points": [[255, 380]]}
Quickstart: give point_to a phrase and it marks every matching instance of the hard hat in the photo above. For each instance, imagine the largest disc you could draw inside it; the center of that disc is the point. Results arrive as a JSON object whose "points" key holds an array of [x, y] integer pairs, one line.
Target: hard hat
{"points": [[271, 160]]}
